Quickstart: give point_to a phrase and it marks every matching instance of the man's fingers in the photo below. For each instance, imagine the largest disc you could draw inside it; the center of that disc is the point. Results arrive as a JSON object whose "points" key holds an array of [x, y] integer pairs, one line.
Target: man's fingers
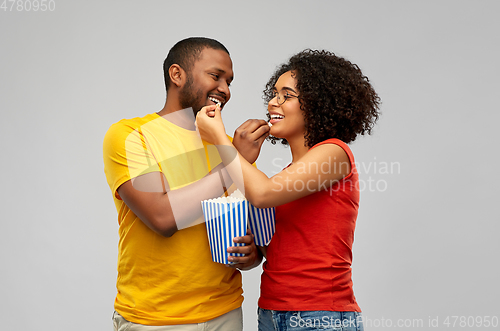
{"points": [[252, 133], [239, 259], [251, 125], [247, 239], [240, 249], [261, 131], [256, 124]]}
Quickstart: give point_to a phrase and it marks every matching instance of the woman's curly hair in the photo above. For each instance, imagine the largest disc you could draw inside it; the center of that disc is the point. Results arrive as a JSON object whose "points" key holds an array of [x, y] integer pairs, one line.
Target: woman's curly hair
{"points": [[337, 100]]}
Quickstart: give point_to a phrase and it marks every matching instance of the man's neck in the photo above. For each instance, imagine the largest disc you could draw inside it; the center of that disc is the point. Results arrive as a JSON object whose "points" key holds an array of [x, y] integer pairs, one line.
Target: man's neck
{"points": [[183, 118]]}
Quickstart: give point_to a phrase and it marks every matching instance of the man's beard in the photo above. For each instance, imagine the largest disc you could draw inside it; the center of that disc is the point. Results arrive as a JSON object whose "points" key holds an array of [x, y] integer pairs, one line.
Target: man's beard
{"points": [[190, 98]]}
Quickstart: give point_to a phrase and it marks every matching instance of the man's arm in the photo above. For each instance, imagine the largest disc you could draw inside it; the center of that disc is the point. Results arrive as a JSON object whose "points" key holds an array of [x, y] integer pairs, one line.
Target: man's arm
{"points": [[248, 138], [165, 211]]}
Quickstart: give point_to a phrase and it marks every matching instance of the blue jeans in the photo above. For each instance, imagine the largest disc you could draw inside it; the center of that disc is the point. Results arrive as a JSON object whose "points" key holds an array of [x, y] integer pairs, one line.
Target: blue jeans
{"points": [[272, 320]]}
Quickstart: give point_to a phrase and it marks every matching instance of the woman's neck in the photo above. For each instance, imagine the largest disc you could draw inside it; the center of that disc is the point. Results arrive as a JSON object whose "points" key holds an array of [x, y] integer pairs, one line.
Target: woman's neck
{"points": [[298, 148]]}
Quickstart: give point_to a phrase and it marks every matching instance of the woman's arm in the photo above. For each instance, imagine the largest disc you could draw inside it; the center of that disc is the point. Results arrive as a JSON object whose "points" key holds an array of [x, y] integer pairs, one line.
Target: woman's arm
{"points": [[165, 211], [317, 170]]}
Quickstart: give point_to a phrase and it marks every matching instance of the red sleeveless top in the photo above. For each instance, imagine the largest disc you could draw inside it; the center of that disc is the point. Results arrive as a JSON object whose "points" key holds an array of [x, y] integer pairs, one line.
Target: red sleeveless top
{"points": [[308, 265]]}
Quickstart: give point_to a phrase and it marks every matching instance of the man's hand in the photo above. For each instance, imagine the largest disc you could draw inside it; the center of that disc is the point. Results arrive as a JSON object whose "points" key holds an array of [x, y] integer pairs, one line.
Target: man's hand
{"points": [[248, 138], [252, 257]]}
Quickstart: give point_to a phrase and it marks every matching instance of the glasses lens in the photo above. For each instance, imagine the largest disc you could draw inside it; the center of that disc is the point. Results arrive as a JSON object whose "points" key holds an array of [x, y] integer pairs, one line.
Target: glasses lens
{"points": [[281, 98]]}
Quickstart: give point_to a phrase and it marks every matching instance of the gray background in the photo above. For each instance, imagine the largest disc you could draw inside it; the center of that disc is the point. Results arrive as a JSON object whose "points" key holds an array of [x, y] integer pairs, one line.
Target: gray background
{"points": [[427, 236]]}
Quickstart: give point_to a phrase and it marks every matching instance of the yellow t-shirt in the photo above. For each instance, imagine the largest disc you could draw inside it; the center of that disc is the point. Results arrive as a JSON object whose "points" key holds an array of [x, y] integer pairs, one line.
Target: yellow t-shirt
{"points": [[164, 281]]}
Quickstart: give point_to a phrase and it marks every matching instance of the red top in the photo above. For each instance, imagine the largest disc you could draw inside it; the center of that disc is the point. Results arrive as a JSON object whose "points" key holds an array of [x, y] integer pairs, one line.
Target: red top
{"points": [[308, 264]]}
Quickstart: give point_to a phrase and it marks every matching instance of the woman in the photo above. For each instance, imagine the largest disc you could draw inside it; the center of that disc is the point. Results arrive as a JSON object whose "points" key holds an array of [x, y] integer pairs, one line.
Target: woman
{"points": [[317, 103]]}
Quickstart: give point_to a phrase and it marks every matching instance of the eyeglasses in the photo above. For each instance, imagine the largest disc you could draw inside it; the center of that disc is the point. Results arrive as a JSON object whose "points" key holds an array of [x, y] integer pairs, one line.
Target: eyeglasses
{"points": [[283, 96]]}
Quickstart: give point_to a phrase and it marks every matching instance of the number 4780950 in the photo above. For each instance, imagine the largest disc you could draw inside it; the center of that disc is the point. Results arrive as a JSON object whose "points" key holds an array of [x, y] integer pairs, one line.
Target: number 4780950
{"points": [[28, 5]]}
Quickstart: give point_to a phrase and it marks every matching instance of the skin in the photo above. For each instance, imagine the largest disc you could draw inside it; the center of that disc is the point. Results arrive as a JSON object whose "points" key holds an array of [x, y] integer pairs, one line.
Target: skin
{"points": [[149, 196], [306, 167]]}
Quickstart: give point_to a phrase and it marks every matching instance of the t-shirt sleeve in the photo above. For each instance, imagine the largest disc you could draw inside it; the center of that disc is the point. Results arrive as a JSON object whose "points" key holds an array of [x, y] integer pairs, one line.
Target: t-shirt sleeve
{"points": [[126, 155]]}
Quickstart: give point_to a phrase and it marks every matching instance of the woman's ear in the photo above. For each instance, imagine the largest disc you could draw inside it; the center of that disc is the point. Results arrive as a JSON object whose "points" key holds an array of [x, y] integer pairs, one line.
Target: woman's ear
{"points": [[177, 75]]}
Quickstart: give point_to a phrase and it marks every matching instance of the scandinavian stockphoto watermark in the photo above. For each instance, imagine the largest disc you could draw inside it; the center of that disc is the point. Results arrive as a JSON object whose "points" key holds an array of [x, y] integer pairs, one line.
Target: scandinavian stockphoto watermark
{"points": [[326, 322], [27, 5], [167, 155], [438, 322], [372, 175]]}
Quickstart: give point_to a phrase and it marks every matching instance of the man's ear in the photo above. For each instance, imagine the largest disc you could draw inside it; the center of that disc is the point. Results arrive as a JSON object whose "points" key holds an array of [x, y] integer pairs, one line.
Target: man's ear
{"points": [[177, 75]]}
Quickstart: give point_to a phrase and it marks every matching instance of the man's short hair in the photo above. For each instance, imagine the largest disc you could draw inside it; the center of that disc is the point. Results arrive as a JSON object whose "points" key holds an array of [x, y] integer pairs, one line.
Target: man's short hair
{"points": [[186, 52]]}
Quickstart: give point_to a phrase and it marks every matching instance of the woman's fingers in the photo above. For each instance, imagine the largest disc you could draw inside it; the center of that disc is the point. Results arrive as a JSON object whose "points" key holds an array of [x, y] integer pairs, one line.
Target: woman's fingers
{"points": [[208, 110]]}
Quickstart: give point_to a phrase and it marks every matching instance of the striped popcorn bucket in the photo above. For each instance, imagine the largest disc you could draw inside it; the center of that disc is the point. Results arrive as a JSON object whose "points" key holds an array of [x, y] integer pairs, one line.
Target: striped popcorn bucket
{"points": [[261, 223], [224, 221]]}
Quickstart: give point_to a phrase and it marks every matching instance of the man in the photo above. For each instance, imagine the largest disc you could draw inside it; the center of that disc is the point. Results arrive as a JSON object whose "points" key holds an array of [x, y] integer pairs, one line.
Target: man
{"points": [[159, 171]]}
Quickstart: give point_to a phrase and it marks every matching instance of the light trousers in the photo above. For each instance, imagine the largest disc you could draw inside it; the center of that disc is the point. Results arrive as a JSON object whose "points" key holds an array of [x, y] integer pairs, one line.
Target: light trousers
{"points": [[231, 321]]}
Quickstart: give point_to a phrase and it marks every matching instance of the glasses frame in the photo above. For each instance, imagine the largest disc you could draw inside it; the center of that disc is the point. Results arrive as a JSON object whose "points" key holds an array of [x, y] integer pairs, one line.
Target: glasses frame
{"points": [[285, 97]]}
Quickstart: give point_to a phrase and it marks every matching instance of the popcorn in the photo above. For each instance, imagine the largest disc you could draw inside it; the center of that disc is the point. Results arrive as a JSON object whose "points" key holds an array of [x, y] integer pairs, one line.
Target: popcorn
{"points": [[229, 217], [261, 223]]}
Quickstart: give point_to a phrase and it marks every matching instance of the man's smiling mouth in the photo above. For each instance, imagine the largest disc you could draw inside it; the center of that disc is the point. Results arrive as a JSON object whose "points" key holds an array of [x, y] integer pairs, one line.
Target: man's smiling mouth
{"points": [[216, 101]]}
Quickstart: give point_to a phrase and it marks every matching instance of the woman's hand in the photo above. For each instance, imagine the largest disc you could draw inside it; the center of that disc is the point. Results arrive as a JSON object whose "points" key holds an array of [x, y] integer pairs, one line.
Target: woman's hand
{"points": [[209, 124]]}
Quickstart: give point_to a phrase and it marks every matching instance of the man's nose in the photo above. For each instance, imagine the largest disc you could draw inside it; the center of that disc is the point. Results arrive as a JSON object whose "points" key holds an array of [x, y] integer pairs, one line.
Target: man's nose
{"points": [[224, 89]]}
